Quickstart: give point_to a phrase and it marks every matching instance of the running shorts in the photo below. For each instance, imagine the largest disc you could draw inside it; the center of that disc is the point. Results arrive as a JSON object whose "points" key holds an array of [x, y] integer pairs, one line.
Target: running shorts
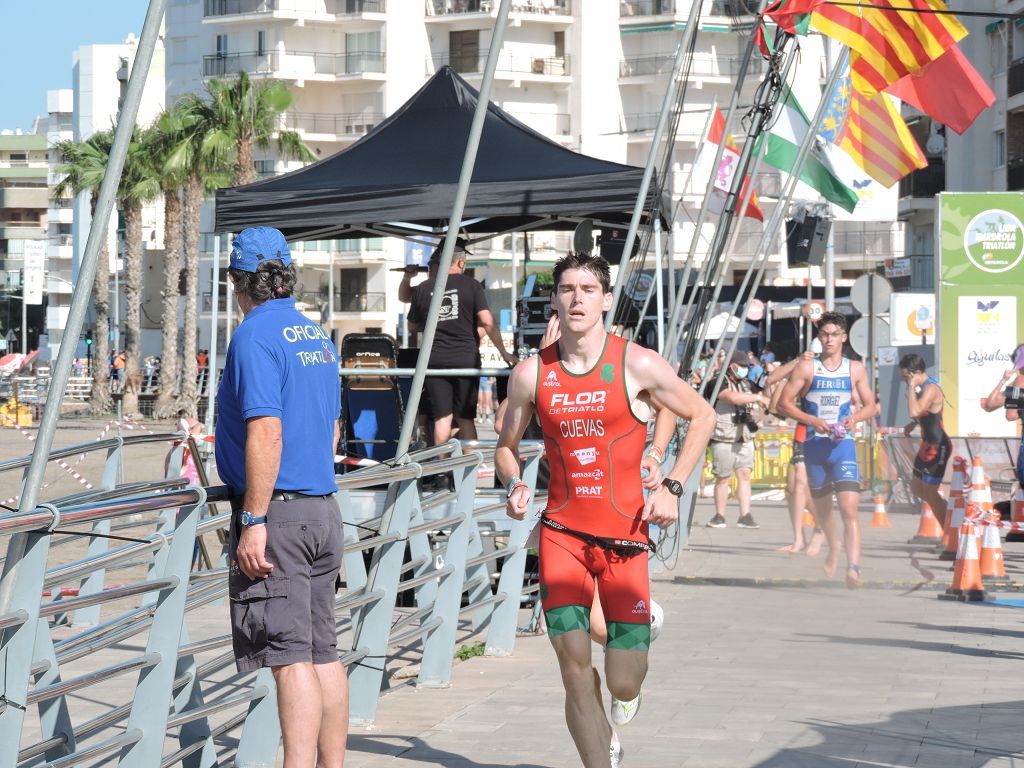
{"points": [[930, 462], [452, 396], [831, 466], [568, 569]]}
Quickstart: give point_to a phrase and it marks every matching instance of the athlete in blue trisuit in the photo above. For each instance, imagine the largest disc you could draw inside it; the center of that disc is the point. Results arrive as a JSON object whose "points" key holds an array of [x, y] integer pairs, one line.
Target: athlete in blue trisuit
{"points": [[826, 389]]}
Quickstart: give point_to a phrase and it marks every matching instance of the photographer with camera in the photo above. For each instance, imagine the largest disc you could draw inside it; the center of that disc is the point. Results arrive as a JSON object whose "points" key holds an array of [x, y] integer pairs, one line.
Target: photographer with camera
{"points": [[737, 412], [1011, 397]]}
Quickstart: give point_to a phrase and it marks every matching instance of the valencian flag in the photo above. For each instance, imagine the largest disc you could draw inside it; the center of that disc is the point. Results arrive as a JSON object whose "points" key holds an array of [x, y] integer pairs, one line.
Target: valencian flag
{"points": [[873, 134], [889, 39]]}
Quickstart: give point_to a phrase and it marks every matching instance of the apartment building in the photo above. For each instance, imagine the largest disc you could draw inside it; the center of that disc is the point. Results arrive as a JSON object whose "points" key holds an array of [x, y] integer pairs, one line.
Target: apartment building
{"points": [[589, 74], [58, 126]]}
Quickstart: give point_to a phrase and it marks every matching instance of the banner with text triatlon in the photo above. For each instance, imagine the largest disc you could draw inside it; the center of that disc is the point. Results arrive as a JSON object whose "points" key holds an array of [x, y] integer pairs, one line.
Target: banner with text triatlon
{"points": [[979, 269]]}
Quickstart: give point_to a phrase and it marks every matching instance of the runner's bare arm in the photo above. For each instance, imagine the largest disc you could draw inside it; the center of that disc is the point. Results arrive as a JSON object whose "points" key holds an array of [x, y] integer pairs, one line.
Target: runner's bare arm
{"points": [[996, 399], [919, 405], [862, 391], [664, 429], [797, 386], [652, 375], [782, 372], [518, 412]]}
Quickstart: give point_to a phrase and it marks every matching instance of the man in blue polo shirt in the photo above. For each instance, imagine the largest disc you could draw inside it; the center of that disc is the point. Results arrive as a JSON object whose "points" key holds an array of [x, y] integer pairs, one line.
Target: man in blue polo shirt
{"points": [[279, 402]]}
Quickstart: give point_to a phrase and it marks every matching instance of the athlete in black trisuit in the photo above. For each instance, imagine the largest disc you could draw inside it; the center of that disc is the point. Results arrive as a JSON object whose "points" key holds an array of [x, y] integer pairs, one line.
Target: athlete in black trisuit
{"points": [[924, 404]]}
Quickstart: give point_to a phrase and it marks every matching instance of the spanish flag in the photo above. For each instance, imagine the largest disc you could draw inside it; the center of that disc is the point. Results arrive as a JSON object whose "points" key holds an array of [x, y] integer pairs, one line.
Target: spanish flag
{"points": [[889, 39], [876, 138]]}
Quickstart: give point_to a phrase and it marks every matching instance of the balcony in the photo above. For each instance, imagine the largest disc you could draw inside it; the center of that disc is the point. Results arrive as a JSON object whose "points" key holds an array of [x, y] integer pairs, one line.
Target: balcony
{"points": [[691, 125], [926, 182], [218, 8], [653, 64], [24, 197], [1015, 78], [1015, 174], [442, 8], [296, 65], [22, 230], [361, 301], [547, 123], [508, 64], [354, 125], [647, 7]]}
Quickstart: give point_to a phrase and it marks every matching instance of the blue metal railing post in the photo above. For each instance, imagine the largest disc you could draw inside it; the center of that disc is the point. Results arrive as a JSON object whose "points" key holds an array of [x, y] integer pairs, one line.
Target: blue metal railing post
{"points": [[154, 690], [439, 644], [261, 734], [501, 636], [54, 718]]}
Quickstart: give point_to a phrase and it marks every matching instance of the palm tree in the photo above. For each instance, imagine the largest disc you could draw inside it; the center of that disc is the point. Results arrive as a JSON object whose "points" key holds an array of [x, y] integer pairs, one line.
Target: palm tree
{"points": [[82, 170], [139, 184], [234, 117], [163, 141]]}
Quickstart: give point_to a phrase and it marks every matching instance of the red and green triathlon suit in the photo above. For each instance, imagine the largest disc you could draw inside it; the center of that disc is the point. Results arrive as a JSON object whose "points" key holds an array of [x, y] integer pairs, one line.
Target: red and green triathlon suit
{"points": [[594, 445]]}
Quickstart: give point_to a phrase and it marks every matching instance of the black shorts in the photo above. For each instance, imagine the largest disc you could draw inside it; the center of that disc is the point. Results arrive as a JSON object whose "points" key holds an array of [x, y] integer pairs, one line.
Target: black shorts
{"points": [[930, 462], [451, 396], [288, 617]]}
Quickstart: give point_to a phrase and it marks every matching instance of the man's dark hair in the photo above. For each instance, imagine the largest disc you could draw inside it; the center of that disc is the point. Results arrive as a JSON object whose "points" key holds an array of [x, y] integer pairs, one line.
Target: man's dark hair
{"points": [[271, 280], [595, 265], [833, 318], [913, 363]]}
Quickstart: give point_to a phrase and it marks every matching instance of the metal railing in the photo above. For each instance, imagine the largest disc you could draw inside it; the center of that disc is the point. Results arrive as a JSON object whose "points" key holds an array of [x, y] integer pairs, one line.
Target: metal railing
{"points": [[419, 574], [294, 63], [451, 7], [337, 7], [343, 302], [701, 65], [521, 63], [354, 124]]}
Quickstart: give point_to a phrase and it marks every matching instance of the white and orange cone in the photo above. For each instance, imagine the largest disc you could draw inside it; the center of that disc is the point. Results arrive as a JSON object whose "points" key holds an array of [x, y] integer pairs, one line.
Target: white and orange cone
{"points": [[881, 517], [991, 562], [957, 509], [809, 519], [929, 530], [967, 585]]}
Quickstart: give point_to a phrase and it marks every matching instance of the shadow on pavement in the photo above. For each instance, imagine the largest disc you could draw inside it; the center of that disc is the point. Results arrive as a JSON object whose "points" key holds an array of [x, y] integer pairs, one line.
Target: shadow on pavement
{"points": [[945, 737], [416, 749], [914, 645], [960, 629]]}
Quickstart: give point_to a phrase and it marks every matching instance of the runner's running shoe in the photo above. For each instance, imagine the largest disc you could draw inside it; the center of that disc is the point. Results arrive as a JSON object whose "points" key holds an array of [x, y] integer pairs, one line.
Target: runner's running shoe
{"points": [[657, 619], [623, 712], [615, 751]]}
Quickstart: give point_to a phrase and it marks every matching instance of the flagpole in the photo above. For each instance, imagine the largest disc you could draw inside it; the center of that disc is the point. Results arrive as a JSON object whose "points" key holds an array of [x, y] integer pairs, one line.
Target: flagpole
{"points": [[669, 350], [798, 165], [695, 330], [645, 182]]}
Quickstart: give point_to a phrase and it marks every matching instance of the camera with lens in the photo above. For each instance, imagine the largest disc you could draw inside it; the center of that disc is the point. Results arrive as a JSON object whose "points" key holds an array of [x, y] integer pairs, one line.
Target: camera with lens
{"points": [[1014, 398]]}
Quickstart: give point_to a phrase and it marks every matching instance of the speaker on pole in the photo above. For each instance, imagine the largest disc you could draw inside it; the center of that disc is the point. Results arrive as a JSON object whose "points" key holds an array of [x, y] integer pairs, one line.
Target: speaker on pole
{"points": [[806, 241]]}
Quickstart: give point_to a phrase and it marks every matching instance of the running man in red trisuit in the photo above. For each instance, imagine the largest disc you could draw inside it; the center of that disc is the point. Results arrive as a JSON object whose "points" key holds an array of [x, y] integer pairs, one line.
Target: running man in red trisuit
{"points": [[592, 393]]}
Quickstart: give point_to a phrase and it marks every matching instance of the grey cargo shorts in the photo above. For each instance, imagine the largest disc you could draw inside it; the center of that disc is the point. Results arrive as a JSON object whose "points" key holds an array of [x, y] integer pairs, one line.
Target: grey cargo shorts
{"points": [[288, 617]]}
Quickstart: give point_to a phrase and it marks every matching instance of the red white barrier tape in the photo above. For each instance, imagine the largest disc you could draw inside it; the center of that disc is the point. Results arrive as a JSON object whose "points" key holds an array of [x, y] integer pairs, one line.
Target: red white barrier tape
{"points": [[60, 463]]}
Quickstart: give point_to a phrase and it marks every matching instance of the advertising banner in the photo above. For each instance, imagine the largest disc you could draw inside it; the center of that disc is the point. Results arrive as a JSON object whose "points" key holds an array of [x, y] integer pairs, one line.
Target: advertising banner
{"points": [[912, 319], [35, 271], [979, 268]]}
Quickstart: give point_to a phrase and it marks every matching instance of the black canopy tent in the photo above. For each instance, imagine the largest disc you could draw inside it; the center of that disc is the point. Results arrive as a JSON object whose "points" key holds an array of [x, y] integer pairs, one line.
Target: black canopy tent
{"points": [[400, 179]]}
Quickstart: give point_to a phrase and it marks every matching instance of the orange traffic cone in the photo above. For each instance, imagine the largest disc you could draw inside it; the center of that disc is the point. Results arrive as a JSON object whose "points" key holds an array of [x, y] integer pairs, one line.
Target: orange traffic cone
{"points": [[929, 530], [881, 518], [991, 563], [955, 511], [809, 519], [1018, 515], [966, 584]]}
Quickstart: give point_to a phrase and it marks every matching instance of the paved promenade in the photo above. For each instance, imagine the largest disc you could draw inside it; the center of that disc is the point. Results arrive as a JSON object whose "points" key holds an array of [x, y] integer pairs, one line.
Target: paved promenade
{"points": [[762, 662]]}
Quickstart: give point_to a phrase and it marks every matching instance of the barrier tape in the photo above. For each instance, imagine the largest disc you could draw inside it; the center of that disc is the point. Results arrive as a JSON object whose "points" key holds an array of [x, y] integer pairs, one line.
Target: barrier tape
{"points": [[60, 463]]}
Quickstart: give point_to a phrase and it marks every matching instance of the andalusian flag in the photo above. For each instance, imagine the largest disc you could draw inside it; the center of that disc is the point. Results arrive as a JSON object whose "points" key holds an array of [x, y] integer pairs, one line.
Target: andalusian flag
{"points": [[889, 39], [783, 144]]}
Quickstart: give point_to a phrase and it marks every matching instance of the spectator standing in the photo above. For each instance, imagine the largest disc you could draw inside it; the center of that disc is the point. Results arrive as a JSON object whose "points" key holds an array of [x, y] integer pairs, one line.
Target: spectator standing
{"points": [[732, 442], [278, 407], [452, 400]]}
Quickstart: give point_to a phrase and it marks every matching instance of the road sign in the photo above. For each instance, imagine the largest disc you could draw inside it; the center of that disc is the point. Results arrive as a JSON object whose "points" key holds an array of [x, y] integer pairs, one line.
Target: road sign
{"points": [[863, 287], [35, 271], [859, 335], [814, 310]]}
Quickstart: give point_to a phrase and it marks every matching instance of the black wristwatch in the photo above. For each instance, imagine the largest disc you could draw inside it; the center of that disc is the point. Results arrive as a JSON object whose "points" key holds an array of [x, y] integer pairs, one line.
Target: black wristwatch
{"points": [[674, 486]]}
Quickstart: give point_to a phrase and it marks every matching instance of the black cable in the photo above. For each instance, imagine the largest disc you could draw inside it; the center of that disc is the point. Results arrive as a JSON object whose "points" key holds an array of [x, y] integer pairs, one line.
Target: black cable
{"points": [[933, 11], [96, 535]]}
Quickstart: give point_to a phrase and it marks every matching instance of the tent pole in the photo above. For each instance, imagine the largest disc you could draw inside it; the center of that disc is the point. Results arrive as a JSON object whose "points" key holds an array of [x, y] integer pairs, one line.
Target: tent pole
{"points": [[674, 320], [645, 183], [461, 192], [212, 358], [659, 299], [26, 549], [798, 166]]}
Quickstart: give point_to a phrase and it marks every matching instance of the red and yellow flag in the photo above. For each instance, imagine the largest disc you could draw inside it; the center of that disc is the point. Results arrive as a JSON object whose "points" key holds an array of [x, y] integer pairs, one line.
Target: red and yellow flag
{"points": [[889, 39], [878, 140]]}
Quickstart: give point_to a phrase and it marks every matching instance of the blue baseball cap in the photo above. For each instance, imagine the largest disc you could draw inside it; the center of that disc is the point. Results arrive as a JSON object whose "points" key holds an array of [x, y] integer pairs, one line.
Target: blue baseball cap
{"points": [[255, 245]]}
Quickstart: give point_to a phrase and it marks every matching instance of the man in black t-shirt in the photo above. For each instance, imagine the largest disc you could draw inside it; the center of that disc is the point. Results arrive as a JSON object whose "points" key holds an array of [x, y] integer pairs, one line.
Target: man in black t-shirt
{"points": [[456, 345]]}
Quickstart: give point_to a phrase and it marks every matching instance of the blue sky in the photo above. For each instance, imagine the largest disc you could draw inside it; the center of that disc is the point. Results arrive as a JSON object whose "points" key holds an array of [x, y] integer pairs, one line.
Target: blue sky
{"points": [[36, 41]]}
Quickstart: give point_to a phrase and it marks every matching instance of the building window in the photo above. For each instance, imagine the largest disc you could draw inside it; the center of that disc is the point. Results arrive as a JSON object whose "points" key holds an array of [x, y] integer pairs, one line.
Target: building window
{"points": [[464, 51], [559, 45], [261, 42], [1000, 149], [222, 45]]}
